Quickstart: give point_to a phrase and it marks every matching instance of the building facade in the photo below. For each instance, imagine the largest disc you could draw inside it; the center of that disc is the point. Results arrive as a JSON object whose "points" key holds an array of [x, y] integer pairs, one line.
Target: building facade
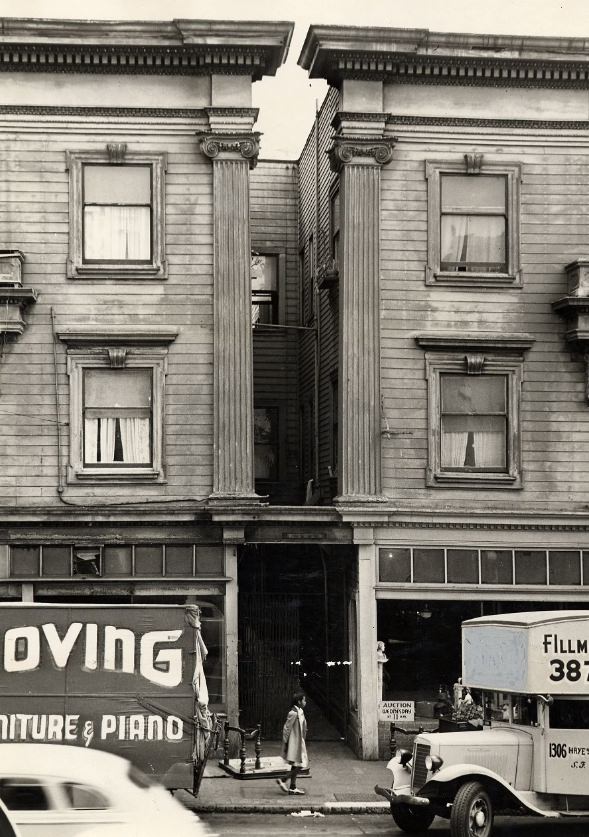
{"points": [[456, 226], [334, 401]]}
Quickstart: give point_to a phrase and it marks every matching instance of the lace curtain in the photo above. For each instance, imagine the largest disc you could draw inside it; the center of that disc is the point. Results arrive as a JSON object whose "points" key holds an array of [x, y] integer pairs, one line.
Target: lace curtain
{"points": [[134, 435], [117, 233]]}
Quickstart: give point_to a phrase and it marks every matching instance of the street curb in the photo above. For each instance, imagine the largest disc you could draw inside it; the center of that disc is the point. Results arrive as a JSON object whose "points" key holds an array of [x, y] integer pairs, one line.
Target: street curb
{"points": [[259, 807]]}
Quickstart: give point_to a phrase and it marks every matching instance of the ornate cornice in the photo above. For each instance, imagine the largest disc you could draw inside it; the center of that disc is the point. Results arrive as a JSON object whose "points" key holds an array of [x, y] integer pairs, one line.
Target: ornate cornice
{"points": [[519, 527], [176, 47], [47, 110], [367, 150], [231, 145], [492, 342], [470, 122]]}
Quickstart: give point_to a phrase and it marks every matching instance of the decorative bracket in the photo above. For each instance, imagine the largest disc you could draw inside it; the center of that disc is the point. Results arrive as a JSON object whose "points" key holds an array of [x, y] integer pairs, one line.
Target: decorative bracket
{"points": [[116, 152], [117, 357], [474, 363], [473, 163]]}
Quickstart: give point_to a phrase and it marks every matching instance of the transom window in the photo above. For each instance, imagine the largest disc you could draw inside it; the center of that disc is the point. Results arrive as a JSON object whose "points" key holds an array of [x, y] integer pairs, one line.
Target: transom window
{"points": [[264, 273], [118, 416], [473, 223], [473, 422], [117, 213], [117, 210]]}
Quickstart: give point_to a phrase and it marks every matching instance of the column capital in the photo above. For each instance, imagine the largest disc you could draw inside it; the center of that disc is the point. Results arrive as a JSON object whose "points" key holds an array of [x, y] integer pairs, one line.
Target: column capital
{"points": [[231, 146], [370, 151]]}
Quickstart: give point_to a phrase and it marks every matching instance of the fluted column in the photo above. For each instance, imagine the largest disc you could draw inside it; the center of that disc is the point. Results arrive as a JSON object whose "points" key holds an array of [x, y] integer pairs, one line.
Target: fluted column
{"points": [[359, 161], [232, 156]]}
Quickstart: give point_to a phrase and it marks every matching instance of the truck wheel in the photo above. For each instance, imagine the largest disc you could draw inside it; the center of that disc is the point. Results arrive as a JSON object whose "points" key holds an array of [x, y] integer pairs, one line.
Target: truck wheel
{"points": [[412, 820], [472, 812]]}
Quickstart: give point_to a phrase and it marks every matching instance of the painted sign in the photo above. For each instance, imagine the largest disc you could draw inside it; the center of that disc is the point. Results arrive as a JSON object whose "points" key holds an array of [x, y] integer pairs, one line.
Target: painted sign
{"points": [[535, 653], [118, 678], [567, 761], [396, 710]]}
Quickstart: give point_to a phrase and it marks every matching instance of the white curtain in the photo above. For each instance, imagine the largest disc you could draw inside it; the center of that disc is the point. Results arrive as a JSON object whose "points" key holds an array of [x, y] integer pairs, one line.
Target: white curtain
{"points": [[117, 233], [135, 439], [454, 238], [454, 449], [107, 439], [489, 449]]}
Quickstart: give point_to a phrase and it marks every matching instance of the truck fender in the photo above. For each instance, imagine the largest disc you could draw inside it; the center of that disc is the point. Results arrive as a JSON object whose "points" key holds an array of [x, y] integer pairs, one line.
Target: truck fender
{"points": [[470, 772], [401, 774]]}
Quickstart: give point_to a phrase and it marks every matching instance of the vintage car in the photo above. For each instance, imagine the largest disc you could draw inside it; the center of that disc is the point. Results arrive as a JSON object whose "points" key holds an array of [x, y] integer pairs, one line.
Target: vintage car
{"points": [[533, 672]]}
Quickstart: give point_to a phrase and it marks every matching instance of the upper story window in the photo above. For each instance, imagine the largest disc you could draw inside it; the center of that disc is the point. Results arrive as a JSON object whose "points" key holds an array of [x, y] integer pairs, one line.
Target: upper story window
{"points": [[116, 215], [473, 223], [118, 417], [334, 224], [264, 273], [117, 379], [266, 443]]}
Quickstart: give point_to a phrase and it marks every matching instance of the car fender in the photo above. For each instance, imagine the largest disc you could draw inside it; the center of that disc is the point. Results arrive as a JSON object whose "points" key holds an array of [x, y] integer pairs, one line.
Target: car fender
{"points": [[401, 774], [472, 772]]}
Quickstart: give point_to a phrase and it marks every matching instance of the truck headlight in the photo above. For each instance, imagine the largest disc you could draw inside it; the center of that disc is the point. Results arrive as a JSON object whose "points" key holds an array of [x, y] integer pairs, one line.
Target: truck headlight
{"points": [[404, 757], [433, 763]]}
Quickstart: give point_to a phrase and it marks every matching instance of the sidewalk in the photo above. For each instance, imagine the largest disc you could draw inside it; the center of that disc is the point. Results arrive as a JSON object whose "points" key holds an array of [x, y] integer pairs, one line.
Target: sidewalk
{"points": [[339, 784]]}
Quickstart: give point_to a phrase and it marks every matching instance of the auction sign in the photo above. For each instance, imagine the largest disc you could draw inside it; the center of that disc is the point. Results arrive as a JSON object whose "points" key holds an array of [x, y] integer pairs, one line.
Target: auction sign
{"points": [[118, 678]]}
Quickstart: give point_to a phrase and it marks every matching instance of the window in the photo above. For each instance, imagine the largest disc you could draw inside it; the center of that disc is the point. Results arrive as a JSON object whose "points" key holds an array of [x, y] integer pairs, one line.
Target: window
{"points": [[83, 798], [264, 273], [116, 214], [23, 794], [266, 446], [116, 401], [473, 428], [334, 224], [473, 223]]}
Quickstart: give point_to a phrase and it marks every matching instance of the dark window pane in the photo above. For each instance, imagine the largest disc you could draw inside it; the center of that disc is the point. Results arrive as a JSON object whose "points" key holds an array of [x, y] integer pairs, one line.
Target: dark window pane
{"points": [[496, 566], [266, 443], [463, 566], [209, 560], [395, 565], [179, 560], [564, 567], [530, 566], [428, 565], [118, 560], [57, 560], [148, 560], [585, 567], [23, 795], [24, 560]]}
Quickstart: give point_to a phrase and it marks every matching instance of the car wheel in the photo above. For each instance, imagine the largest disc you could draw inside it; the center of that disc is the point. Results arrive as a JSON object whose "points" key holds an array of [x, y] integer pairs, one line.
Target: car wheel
{"points": [[472, 812], [412, 820]]}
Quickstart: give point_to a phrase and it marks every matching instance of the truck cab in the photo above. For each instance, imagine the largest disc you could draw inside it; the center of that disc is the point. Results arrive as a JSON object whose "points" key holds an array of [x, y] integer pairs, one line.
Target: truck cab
{"points": [[532, 754]]}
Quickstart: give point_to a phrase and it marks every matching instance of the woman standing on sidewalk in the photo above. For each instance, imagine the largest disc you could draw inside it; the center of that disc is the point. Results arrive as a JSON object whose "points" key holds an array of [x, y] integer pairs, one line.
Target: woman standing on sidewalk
{"points": [[294, 749]]}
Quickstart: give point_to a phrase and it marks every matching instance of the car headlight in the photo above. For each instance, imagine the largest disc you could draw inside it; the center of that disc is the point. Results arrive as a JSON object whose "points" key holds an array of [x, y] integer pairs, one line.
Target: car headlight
{"points": [[404, 757], [433, 763]]}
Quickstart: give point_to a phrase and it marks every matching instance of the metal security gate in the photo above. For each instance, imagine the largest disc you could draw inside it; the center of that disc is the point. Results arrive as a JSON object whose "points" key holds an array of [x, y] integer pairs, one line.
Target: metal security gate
{"points": [[268, 657]]}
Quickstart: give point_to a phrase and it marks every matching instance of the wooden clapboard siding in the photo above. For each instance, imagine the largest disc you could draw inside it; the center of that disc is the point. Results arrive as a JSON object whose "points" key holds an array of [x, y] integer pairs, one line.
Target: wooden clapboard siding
{"points": [[274, 229], [34, 207], [554, 230], [317, 178]]}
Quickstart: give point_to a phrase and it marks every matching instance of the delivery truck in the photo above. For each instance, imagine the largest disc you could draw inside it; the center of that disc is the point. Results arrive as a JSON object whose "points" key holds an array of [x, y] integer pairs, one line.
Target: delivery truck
{"points": [[532, 754]]}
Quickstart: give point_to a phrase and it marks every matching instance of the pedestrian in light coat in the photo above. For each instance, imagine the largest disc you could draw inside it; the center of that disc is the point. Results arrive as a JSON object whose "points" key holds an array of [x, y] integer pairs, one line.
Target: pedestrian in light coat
{"points": [[294, 749]]}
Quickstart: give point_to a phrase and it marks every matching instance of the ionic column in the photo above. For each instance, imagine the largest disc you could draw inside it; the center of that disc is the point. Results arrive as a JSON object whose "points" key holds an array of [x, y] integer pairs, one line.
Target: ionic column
{"points": [[232, 156], [359, 161]]}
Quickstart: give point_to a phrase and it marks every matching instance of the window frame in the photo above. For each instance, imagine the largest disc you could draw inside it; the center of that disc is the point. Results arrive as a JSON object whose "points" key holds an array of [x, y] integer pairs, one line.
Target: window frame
{"points": [[79, 360], [459, 364], [279, 303], [77, 268], [434, 275]]}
